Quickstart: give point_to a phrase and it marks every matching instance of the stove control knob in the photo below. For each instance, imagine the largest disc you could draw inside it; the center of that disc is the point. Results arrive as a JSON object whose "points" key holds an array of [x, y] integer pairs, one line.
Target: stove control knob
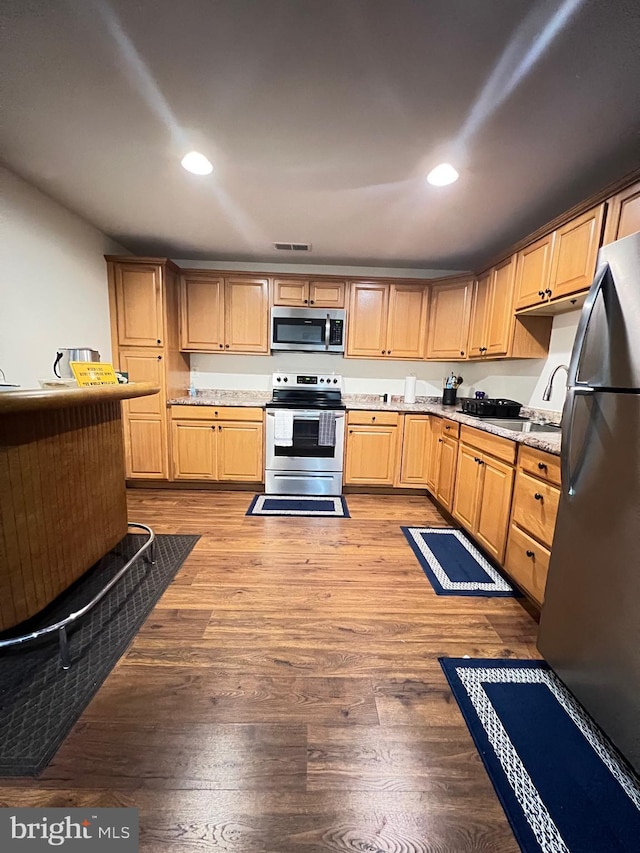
{"points": [[335, 381], [286, 379], [278, 379], [321, 379]]}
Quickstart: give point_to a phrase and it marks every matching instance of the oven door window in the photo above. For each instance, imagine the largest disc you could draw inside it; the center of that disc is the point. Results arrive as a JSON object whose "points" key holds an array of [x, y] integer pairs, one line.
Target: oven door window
{"points": [[287, 330], [305, 441]]}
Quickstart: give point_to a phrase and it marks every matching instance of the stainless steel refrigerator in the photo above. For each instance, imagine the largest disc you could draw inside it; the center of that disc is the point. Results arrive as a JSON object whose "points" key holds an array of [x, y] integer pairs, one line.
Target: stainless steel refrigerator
{"points": [[590, 622]]}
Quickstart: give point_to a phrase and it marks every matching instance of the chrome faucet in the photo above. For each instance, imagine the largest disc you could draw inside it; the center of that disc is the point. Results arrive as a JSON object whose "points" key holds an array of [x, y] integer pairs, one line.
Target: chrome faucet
{"points": [[546, 394]]}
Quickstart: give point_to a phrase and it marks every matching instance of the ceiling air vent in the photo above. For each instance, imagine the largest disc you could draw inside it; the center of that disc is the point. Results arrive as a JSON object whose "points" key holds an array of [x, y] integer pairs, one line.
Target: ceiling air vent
{"points": [[293, 247]]}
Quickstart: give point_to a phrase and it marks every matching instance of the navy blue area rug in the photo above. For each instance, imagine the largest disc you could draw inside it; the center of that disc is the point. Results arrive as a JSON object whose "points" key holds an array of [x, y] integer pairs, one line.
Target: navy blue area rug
{"points": [[299, 505], [561, 783], [453, 565]]}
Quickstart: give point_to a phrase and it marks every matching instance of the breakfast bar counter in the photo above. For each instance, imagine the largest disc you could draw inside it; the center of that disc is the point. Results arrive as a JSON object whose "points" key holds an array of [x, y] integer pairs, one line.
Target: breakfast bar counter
{"points": [[62, 490]]}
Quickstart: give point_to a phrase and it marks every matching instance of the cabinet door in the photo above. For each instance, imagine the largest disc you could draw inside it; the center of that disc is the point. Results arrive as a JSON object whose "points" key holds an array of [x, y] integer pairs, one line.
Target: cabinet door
{"points": [[449, 315], [623, 214], [201, 314], [145, 447], [289, 291], [240, 454], [434, 445], [574, 255], [415, 450], [533, 272], [371, 455], [246, 314], [494, 503], [468, 471], [144, 366], [501, 314], [527, 561], [139, 304], [326, 294], [447, 472], [194, 450], [367, 335], [479, 312], [406, 330]]}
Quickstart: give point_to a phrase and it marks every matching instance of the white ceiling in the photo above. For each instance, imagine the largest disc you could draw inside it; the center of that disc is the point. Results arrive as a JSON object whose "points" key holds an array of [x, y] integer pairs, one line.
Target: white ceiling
{"points": [[322, 118]]}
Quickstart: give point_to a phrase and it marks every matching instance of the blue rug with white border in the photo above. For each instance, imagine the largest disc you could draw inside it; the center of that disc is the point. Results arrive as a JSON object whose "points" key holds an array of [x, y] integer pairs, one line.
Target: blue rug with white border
{"points": [[563, 786], [319, 506], [453, 565]]}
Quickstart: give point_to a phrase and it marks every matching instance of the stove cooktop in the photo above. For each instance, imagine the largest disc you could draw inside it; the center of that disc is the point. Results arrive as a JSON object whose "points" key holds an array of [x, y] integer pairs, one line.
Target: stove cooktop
{"points": [[306, 391]]}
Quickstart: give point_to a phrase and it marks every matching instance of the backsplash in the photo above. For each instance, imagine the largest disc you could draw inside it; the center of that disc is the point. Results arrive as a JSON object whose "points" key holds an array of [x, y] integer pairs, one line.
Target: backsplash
{"points": [[522, 380]]}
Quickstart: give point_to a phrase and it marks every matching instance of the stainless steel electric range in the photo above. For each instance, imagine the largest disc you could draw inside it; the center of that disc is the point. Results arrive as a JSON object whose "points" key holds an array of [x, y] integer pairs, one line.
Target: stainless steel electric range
{"points": [[305, 435]]}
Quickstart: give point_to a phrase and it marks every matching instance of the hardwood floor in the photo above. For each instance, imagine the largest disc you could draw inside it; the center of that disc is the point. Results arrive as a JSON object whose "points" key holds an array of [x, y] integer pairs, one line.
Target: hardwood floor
{"points": [[285, 695]]}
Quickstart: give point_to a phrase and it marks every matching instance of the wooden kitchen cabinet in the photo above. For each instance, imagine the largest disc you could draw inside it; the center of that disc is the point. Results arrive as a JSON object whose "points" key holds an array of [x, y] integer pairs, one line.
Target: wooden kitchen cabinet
{"points": [[449, 316], [560, 265], [414, 466], [575, 251], [434, 432], [223, 314], [623, 214], [143, 302], [448, 456], [533, 518], [387, 320], [217, 443], [371, 448], [139, 301], [304, 293], [484, 487], [479, 315], [533, 272]]}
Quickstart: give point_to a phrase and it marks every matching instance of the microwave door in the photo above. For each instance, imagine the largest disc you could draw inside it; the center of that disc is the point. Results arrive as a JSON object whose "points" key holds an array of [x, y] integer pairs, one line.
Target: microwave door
{"points": [[299, 333]]}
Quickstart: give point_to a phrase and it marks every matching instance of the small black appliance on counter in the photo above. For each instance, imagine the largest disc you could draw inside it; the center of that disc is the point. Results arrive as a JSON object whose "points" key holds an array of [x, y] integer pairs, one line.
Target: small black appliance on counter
{"points": [[491, 408]]}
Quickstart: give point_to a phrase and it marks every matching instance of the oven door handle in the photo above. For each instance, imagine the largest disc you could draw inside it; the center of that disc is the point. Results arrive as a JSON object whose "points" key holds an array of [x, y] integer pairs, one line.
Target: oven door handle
{"points": [[307, 416]]}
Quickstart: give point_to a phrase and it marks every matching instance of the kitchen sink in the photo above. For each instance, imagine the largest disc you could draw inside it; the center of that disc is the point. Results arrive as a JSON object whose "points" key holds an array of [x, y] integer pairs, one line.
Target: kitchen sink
{"points": [[522, 426]]}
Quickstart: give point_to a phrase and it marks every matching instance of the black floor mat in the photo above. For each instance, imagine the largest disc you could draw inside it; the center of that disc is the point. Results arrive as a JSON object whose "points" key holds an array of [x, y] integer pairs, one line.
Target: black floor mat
{"points": [[39, 701]]}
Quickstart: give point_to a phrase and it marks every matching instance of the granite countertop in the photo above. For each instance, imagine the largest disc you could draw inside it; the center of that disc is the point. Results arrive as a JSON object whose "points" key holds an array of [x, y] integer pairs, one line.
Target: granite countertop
{"points": [[547, 441]]}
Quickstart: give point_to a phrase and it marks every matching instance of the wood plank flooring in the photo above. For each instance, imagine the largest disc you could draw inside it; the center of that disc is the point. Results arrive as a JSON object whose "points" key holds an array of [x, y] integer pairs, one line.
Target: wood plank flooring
{"points": [[285, 694]]}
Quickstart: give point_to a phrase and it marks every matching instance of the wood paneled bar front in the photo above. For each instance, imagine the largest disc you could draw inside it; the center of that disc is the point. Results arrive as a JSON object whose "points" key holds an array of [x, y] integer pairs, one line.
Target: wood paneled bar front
{"points": [[62, 490]]}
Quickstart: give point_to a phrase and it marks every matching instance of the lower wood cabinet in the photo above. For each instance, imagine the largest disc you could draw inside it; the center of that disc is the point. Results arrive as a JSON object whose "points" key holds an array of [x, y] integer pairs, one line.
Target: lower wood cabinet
{"points": [[219, 444], [414, 458], [442, 455], [483, 489], [533, 518], [371, 448], [145, 418]]}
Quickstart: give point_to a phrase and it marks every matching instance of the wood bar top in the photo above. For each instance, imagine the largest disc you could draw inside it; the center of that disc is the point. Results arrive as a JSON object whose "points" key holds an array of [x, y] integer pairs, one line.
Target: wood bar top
{"points": [[35, 400]]}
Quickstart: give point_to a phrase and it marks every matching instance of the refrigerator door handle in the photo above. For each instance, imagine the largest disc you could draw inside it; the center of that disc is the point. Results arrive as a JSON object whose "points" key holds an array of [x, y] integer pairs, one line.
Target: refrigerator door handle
{"points": [[566, 474], [583, 326]]}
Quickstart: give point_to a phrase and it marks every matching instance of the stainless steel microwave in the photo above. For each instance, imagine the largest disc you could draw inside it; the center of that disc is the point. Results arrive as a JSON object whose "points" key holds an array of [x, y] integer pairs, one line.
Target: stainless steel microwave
{"points": [[308, 329]]}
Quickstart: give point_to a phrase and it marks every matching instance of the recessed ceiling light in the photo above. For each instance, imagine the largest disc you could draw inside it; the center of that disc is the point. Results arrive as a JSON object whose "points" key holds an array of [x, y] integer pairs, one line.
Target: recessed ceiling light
{"points": [[196, 163], [442, 175]]}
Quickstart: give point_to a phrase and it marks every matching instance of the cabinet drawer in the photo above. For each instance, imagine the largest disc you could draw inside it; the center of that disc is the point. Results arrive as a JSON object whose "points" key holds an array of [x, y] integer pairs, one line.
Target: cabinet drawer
{"points": [[546, 466], [535, 506], [527, 561], [450, 428], [376, 418], [213, 413], [501, 448]]}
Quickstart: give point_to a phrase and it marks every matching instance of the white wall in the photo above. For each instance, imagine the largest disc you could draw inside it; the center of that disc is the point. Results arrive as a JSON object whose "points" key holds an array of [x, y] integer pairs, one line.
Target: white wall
{"points": [[53, 286]]}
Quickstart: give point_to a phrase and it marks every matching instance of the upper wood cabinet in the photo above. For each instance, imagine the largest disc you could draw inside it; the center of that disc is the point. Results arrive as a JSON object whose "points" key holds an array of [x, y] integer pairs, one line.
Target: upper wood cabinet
{"points": [[560, 265], [139, 304], [623, 214], [449, 314], [573, 262], [479, 316], [201, 313], [387, 320], [223, 314], [533, 272], [300, 293]]}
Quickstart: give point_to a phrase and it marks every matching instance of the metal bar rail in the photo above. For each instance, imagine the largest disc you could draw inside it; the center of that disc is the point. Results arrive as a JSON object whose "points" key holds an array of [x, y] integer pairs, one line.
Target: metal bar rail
{"points": [[61, 626]]}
